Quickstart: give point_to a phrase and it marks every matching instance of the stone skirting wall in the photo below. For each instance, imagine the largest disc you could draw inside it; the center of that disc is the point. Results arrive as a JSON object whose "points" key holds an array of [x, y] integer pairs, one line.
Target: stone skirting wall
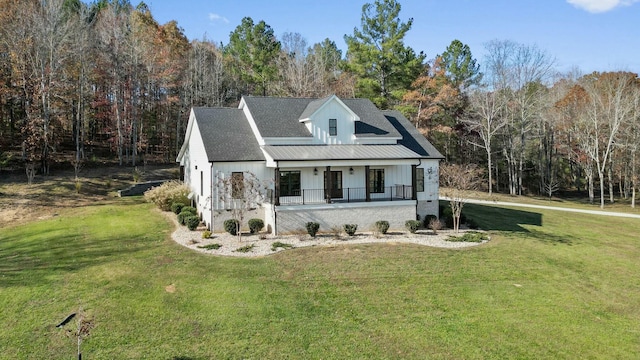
{"points": [[220, 216], [293, 218], [428, 208]]}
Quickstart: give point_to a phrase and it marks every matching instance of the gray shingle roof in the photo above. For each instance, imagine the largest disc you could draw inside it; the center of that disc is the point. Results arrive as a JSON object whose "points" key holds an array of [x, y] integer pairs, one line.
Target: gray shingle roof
{"points": [[411, 137], [372, 121], [280, 117], [312, 107], [227, 135], [339, 152]]}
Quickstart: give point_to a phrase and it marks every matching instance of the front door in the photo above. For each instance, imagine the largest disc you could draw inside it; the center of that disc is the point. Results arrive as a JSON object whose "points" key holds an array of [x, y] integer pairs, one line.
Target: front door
{"points": [[335, 191]]}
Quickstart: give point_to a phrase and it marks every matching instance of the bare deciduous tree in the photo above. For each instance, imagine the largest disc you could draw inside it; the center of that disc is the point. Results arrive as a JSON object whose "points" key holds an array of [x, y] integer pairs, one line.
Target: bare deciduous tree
{"points": [[456, 181], [239, 193], [485, 120]]}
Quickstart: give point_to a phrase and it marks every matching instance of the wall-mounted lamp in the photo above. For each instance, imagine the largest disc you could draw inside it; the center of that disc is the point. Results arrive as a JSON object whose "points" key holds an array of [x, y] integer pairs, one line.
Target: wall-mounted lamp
{"points": [[430, 170], [315, 171], [351, 170]]}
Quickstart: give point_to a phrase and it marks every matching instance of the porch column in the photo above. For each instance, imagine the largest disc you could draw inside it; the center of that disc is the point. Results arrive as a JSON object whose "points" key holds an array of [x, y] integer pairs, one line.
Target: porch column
{"points": [[414, 180], [367, 190], [328, 185], [276, 191]]}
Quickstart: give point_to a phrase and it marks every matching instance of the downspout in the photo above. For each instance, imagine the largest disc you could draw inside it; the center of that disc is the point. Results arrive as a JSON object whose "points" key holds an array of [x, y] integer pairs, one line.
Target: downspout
{"points": [[416, 190], [273, 202], [211, 201]]}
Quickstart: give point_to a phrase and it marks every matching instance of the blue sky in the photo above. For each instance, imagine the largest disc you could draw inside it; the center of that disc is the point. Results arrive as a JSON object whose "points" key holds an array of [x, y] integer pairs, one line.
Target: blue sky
{"points": [[594, 35]]}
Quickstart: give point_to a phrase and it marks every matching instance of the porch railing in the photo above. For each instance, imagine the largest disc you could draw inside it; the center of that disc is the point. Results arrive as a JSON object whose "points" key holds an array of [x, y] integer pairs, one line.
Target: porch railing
{"points": [[345, 195]]}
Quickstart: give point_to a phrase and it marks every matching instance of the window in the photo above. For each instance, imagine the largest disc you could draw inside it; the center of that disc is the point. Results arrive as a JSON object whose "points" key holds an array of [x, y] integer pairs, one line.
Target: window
{"points": [[201, 184], [290, 183], [333, 127], [376, 180], [419, 179], [237, 185]]}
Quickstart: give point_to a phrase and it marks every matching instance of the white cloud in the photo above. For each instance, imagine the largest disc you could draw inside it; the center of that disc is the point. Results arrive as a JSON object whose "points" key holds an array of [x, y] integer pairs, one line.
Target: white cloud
{"points": [[215, 18], [600, 6]]}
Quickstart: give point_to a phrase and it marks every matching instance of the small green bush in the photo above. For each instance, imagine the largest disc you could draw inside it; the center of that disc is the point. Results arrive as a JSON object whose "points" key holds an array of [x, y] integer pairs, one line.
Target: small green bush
{"points": [[206, 234], [176, 207], [412, 225], [428, 219], [382, 226], [446, 215], [470, 236], [245, 249], [190, 209], [312, 228], [186, 211], [255, 225], [279, 244], [231, 226], [210, 246], [192, 222], [350, 229]]}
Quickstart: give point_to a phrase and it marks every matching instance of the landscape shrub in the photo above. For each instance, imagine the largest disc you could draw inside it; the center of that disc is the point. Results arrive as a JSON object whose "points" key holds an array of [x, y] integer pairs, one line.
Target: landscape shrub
{"points": [[350, 229], [245, 249], [176, 207], [255, 225], [312, 228], [336, 231], [412, 225], [192, 222], [279, 244], [206, 234], [190, 209], [382, 226], [231, 226], [446, 215], [184, 214], [215, 246], [470, 236], [427, 220], [168, 193], [435, 225]]}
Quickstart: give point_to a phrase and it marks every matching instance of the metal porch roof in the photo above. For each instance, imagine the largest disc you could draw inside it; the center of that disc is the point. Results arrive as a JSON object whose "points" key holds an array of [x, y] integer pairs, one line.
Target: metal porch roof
{"points": [[339, 152]]}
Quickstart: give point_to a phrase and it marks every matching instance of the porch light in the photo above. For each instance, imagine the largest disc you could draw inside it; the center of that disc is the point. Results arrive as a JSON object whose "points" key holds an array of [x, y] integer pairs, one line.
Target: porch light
{"points": [[315, 171], [351, 170]]}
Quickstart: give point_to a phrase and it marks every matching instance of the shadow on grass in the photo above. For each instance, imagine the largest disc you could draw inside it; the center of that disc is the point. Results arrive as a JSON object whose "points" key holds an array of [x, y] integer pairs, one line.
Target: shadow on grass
{"points": [[501, 219], [492, 218]]}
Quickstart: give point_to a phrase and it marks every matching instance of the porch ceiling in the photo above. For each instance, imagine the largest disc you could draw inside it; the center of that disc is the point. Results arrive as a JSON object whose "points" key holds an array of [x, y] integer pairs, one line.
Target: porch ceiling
{"points": [[339, 152]]}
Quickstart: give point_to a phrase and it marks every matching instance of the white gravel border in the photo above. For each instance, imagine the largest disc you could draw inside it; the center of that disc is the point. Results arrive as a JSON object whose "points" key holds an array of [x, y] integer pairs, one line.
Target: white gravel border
{"points": [[262, 242]]}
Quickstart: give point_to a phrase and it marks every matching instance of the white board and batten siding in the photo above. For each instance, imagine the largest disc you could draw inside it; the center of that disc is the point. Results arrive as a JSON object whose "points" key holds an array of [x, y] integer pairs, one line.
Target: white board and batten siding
{"points": [[197, 171]]}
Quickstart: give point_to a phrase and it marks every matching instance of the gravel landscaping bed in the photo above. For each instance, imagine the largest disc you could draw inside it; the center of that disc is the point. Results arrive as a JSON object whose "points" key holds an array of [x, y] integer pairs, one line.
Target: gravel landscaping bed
{"points": [[262, 244]]}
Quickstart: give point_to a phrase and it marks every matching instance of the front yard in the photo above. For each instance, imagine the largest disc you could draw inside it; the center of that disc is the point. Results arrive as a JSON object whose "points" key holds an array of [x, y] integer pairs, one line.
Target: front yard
{"points": [[547, 285]]}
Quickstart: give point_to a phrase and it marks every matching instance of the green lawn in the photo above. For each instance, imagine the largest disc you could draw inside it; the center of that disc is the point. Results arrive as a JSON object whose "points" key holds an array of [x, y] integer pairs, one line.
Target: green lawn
{"points": [[549, 285]]}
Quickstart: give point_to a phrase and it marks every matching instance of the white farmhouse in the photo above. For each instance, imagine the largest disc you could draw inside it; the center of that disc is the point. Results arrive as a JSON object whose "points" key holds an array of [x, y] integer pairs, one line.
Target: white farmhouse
{"points": [[332, 161]]}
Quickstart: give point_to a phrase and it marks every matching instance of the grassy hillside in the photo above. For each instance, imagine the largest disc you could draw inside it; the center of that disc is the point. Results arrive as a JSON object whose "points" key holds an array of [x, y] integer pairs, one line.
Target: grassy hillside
{"points": [[548, 285]]}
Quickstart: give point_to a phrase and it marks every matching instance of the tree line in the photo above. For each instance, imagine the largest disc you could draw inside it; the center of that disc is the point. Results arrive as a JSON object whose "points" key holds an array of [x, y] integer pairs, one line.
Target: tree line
{"points": [[83, 81]]}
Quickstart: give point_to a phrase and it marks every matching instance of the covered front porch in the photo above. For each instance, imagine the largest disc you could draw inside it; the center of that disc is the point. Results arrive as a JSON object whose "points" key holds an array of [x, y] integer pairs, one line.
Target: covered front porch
{"points": [[309, 185]]}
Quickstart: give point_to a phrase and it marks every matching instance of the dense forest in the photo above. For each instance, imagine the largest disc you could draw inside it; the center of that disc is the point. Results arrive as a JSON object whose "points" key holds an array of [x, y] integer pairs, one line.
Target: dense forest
{"points": [[84, 83]]}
